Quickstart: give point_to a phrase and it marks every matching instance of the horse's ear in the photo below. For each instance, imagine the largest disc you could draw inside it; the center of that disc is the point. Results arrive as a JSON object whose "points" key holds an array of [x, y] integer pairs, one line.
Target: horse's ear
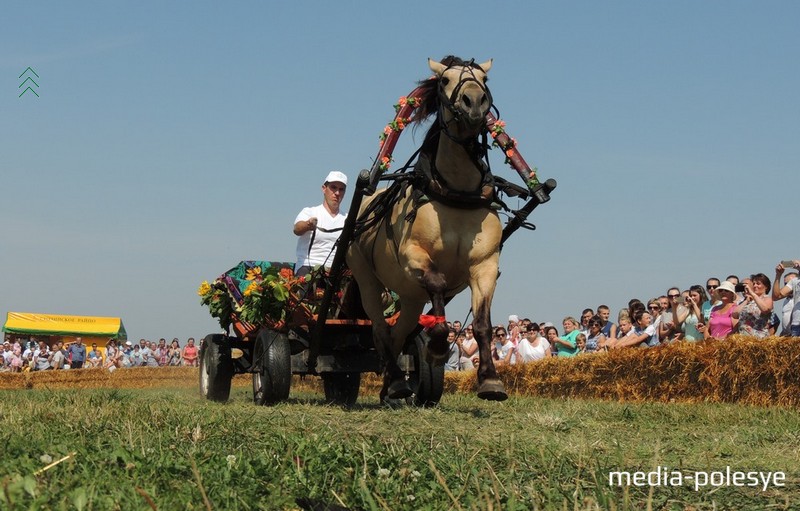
{"points": [[486, 66], [437, 67]]}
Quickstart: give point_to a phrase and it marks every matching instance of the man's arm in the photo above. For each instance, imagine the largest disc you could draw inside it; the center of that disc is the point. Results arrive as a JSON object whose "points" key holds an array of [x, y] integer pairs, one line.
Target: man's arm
{"points": [[303, 226]]}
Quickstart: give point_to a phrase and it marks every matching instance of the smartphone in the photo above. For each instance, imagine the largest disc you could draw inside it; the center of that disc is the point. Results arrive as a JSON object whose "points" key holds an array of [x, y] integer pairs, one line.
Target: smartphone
{"points": [[739, 288], [787, 264]]}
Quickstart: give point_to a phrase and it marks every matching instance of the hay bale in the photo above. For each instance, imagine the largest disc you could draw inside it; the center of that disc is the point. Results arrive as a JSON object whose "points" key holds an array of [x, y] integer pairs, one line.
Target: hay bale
{"points": [[736, 370]]}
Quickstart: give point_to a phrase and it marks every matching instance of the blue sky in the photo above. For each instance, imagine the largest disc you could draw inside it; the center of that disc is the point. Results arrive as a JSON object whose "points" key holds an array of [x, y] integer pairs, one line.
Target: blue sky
{"points": [[171, 141]]}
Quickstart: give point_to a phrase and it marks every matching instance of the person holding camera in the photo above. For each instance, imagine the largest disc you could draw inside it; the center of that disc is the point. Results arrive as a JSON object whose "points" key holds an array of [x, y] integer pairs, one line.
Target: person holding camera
{"points": [[689, 315], [790, 288], [755, 310]]}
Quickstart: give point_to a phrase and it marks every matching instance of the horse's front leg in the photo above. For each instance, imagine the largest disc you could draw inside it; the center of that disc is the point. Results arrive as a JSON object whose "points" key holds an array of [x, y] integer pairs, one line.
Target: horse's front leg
{"points": [[422, 268], [483, 283]]}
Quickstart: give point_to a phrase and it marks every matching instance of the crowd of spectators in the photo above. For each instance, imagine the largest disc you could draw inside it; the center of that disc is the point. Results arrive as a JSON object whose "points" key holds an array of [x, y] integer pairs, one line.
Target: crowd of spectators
{"points": [[716, 310], [22, 355]]}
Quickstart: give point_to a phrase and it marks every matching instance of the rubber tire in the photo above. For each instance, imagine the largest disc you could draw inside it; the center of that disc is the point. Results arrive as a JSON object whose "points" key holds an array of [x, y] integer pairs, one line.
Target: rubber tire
{"points": [[216, 369], [272, 362], [341, 388], [427, 381]]}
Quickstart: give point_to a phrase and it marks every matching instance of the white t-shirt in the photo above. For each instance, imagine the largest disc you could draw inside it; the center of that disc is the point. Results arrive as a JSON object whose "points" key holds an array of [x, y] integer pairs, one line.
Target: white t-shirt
{"points": [[528, 353], [795, 283], [321, 250]]}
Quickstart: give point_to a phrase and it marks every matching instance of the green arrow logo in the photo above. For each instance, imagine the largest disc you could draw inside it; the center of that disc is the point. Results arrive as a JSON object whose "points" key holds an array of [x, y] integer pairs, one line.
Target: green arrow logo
{"points": [[29, 79], [28, 69]]}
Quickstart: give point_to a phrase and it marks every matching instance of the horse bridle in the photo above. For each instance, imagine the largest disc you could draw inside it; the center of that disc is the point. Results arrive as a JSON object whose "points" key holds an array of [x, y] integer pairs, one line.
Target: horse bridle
{"points": [[449, 102]]}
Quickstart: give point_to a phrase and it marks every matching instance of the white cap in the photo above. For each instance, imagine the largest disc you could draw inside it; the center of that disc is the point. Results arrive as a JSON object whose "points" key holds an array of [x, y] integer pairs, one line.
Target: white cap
{"points": [[128, 343], [513, 318], [335, 176]]}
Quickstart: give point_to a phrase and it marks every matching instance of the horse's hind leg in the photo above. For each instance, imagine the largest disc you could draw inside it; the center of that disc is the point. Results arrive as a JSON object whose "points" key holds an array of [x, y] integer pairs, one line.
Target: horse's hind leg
{"points": [[395, 386], [483, 284]]}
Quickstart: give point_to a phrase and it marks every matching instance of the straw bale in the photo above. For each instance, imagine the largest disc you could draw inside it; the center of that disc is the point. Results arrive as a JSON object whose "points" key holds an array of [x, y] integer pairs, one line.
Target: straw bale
{"points": [[736, 370]]}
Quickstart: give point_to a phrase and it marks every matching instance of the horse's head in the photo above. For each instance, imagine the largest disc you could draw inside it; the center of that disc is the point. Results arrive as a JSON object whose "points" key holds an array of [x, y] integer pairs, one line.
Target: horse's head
{"points": [[463, 91]]}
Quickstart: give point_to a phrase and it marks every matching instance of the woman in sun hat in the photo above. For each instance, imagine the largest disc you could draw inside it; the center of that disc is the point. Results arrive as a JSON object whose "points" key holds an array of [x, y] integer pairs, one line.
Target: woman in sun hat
{"points": [[721, 322]]}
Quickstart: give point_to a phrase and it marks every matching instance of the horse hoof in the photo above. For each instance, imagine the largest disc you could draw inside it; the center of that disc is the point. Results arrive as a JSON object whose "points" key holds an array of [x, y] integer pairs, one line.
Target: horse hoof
{"points": [[399, 389], [492, 390]]}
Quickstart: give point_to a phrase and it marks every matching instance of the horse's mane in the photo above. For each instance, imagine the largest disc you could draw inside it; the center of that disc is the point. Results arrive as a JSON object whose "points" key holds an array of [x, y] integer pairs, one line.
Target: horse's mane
{"points": [[429, 93]]}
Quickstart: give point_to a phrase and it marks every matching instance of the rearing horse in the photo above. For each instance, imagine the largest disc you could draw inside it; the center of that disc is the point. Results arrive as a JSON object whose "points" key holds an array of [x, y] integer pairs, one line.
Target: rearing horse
{"points": [[441, 235]]}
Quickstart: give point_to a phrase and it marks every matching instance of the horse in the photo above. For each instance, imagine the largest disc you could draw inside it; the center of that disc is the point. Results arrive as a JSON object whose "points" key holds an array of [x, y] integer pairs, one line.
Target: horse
{"points": [[440, 235]]}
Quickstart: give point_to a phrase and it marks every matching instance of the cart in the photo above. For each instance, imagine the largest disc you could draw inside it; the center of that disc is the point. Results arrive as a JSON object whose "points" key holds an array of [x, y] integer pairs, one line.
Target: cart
{"points": [[318, 326]]}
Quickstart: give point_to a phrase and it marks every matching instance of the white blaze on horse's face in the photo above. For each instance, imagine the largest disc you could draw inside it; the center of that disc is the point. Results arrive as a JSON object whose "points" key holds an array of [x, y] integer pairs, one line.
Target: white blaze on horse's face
{"points": [[469, 83]]}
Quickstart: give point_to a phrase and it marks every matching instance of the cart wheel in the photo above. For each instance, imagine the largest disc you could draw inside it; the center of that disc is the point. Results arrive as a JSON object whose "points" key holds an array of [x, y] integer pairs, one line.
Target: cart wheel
{"points": [[273, 364], [427, 381], [216, 369], [341, 388]]}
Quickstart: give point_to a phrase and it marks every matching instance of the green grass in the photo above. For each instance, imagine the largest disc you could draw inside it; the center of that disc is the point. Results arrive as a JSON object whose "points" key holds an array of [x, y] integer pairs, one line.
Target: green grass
{"points": [[168, 449]]}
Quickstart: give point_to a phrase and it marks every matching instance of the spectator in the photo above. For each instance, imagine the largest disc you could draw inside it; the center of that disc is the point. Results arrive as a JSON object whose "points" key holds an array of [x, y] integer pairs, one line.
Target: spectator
{"points": [[112, 354], [136, 357], [789, 291], [56, 358], [457, 326], [503, 348], [174, 353], [146, 352], [623, 332], [454, 353], [711, 286], [688, 316], [755, 310], [189, 354], [16, 358], [596, 340], [41, 358], [468, 346], [644, 331], [125, 355], [608, 328], [532, 346], [721, 321], [162, 352], [586, 315], [7, 353], [76, 353], [566, 345], [667, 331], [580, 342], [513, 329], [95, 357], [551, 335]]}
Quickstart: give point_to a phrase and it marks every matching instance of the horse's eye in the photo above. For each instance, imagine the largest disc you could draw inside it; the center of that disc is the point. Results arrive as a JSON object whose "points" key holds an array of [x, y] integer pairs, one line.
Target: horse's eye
{"points": [[445, 81]]}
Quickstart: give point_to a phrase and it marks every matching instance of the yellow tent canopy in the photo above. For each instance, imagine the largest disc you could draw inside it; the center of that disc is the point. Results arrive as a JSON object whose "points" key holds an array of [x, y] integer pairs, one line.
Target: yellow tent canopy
{"points": [[63, 325]]}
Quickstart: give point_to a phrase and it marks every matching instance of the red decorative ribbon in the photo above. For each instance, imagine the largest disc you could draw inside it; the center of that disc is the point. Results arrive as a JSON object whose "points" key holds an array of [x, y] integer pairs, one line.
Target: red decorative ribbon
{"points": [[429, 321]]}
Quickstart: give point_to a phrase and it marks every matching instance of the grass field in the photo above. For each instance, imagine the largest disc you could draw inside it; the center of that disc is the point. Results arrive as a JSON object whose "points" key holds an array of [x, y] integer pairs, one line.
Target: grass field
{"points": [[169, 449]]}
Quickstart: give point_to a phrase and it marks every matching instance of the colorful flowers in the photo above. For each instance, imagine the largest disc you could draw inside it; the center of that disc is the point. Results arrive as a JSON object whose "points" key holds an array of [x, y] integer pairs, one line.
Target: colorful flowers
{"points": [[257, 292], [254, 273], [498, 128], [405, 100], [252, 288], [386, 162], [204, 289]]}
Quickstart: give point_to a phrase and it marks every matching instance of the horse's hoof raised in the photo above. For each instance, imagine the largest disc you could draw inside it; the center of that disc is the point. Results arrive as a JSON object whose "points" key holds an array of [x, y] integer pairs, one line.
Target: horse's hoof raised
{"points": [[399, 389], [492, 390]]}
